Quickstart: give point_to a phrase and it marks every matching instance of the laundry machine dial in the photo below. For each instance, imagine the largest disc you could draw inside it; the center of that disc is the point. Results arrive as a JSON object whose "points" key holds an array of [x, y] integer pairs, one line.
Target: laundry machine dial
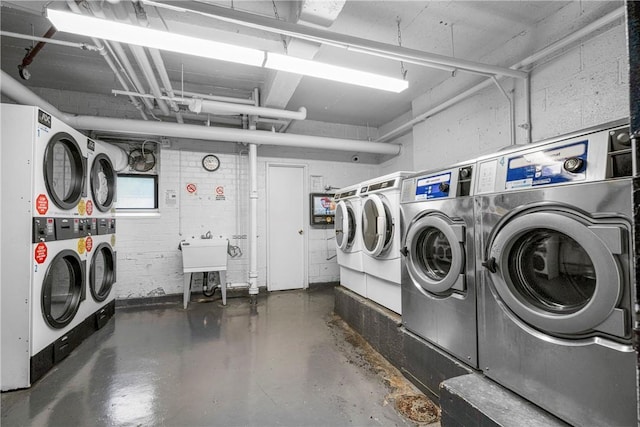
{"points": [[573, 164], [444, 187]]}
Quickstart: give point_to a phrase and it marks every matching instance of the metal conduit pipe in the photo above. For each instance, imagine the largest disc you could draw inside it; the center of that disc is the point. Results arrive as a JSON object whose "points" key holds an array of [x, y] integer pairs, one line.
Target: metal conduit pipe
{"points": [[554, 47], [217, 97], [340, 40], [216, 107], [83, 46], [74, 7], [19, 93]]}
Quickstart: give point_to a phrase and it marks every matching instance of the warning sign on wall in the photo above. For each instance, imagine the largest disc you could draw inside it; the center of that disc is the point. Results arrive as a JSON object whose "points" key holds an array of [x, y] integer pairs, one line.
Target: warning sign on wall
{"points": [[191, 188], [220, 192], [40, 253], [42, 204]]}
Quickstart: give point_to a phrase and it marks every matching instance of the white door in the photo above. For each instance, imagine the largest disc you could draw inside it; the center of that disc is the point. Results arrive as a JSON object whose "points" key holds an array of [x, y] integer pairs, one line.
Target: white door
{"points": [[286, 227]]}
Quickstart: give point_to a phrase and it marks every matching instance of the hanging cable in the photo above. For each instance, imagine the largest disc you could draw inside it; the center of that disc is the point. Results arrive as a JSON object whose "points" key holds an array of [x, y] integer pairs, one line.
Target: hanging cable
{"points": [[403, 71]]}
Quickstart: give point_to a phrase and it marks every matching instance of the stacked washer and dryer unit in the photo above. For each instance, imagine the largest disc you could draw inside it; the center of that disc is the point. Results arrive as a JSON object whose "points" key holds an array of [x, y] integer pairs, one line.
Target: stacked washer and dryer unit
{"points": [[44, 238], [555, 274], [382, 238], [101, 255]]}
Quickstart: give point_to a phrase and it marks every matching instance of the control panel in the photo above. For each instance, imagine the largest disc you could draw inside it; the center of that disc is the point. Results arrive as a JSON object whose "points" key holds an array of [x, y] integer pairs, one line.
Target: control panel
{"points": [[384, 185], [444, 184], [433, 187], [46, 229], [106, 226]]}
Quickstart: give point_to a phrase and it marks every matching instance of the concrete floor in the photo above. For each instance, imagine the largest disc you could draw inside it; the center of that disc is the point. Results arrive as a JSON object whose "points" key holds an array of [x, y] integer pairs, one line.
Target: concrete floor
{"points": [[278, 363]]}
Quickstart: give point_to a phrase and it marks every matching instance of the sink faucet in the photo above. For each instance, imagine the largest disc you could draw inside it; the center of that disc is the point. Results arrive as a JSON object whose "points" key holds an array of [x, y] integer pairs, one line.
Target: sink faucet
{"points": [[207, 235]]}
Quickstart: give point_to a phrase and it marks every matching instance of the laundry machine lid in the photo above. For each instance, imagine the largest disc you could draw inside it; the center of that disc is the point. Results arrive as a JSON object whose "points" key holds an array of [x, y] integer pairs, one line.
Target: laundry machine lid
{"points": [[62, 287], [377, 225], [345, 225], [559, 272], [102, 272], [436, 255], [64, 171], [103, 182]]}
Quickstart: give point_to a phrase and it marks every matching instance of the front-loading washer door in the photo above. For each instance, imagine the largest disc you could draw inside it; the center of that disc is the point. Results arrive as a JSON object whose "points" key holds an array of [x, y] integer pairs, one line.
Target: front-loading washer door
{"points": [[103, 182], [64, 171], [435, 255], [102, 272], [345, 226], [558, 272], [62, 288], [377, 226]]}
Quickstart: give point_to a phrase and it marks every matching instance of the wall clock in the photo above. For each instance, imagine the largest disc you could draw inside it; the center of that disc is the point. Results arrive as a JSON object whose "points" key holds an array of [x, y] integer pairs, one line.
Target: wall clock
{"points": [[210, 162]]}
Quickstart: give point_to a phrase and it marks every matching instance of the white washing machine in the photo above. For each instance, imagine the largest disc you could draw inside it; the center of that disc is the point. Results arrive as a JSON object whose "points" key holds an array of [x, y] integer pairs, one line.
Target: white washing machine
{"points": [[101, 274], [438, 269], [381, 238], [349, 239], [555, 274], [43, 242]]}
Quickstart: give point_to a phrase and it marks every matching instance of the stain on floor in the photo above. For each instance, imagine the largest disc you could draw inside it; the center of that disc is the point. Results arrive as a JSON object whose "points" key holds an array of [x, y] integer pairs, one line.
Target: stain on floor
{"points": [[408, 401]]}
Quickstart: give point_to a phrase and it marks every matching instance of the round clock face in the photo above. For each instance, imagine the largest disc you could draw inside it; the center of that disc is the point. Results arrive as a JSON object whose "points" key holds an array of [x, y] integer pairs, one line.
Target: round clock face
{"points": [[210, 162]]}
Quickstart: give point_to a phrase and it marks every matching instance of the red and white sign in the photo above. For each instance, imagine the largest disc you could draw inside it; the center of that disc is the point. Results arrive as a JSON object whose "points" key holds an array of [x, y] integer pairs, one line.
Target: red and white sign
{"points": [[89, 244], [191, 188], [89, 207], [42, 204], [40, 253], [220, 190]]}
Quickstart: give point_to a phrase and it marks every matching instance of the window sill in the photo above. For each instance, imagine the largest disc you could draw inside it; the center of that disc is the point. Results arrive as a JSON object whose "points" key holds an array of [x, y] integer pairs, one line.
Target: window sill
{"points": [[135, 213]]}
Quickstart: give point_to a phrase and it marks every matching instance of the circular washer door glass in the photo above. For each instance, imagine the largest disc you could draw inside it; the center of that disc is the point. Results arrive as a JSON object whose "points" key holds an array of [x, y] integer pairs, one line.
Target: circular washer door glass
{"points": [[103, 182], [62, 288], [102, 273], [433, 253], [64, 170]]}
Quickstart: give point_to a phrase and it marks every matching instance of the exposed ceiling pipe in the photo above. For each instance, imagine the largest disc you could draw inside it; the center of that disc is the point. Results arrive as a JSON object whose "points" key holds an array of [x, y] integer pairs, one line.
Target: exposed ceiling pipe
{"points": [[156, 57], [217, 97], [253, 207], [83, 46], [216, 107], [74, 7], [32, 52], [318, 35], [554, 47], [16, 91]]}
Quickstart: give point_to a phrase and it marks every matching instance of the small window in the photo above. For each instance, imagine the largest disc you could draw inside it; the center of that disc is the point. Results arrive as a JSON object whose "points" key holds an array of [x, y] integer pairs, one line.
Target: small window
{"points": [[137, 192]]}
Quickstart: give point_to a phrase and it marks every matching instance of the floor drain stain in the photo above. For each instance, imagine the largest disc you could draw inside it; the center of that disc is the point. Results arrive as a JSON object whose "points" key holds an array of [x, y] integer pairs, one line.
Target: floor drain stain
{"points": [[417, 408]]}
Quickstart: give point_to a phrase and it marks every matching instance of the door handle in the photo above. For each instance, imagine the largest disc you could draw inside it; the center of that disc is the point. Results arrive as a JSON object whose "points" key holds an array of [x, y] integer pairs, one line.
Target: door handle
{"points": [[404, 251], [491, 265], [300, 232]]}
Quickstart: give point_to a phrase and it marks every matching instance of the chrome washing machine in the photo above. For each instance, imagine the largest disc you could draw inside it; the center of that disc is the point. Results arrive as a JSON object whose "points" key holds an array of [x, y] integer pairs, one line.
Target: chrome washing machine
{"points": [[555, 275], [438, 268], [349, 239], [381, 238]]}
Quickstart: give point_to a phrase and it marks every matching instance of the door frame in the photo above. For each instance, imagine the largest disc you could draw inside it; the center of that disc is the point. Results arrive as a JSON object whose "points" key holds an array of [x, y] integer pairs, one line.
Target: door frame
{"points": [[305, 224]]}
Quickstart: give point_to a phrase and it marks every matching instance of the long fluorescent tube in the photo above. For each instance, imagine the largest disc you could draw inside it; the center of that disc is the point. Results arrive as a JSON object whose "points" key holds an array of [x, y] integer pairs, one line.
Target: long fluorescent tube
{"points": [[143, 36], [322, 70], [126, 33]]}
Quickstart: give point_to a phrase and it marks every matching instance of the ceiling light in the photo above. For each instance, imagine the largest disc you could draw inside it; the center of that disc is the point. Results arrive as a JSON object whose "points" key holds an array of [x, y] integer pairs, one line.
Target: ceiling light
{"points": [[321, 70], [142, 36], [163, 40]]}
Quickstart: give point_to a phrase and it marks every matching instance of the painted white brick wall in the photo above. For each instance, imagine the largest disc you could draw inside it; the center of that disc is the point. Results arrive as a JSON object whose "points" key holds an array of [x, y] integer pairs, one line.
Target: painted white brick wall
{"points": [[149, 262]]}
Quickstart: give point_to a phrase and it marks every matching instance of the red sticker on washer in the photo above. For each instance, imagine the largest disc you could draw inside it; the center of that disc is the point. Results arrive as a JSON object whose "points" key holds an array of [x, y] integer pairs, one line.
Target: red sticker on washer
{"points": [[40, 253], [88, 244], [42, 204], [89, 207]]}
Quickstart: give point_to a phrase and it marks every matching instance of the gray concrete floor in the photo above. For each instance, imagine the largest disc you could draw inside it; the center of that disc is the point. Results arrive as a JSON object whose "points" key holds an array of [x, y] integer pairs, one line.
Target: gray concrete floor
{"points": [[279, 362]]}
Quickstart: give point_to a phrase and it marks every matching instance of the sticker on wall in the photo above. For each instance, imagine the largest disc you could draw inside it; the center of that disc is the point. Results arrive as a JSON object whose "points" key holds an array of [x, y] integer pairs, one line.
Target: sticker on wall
{"points": [[191, 188], [89, 244], [82, 246], [170, 198], [40, 253], [82, 207], [42, 204], [113, 240], [220, 193], [89, 207]]}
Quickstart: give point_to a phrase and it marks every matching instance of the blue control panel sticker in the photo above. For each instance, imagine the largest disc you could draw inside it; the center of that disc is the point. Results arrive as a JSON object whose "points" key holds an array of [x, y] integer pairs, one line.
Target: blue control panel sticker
{"points": [[431, 187], [546, 167]]}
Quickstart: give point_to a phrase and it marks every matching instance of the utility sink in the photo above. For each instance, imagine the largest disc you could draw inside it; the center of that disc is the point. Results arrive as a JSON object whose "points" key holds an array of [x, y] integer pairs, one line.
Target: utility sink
{"points": [[203, 255]]}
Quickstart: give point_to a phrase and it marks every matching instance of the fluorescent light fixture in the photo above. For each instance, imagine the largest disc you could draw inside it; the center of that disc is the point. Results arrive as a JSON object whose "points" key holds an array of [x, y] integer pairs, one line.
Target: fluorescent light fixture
{"points": [[142, 36], [321, 70], [126, 33]]}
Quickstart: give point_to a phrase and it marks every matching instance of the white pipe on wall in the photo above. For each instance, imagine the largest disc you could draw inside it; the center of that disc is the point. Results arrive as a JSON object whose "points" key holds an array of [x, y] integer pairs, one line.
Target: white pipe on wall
{"points": [[216, 107], [217, 97], [19, 93], [560, 44], [253, 206]]}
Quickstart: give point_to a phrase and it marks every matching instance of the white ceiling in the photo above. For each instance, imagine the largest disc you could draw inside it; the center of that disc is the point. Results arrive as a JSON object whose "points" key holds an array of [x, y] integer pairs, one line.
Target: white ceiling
{"points": [[473, 30]]}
